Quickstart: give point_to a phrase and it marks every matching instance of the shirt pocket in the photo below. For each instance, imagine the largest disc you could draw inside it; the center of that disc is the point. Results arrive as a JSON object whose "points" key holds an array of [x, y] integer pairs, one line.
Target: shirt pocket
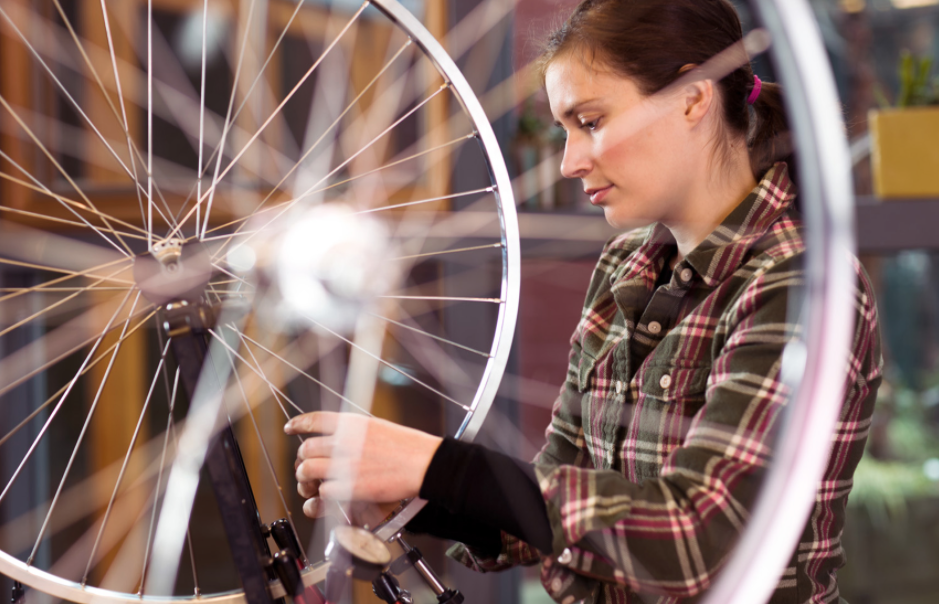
{"points": [[674, 382], [585, 367], [669, 397]]}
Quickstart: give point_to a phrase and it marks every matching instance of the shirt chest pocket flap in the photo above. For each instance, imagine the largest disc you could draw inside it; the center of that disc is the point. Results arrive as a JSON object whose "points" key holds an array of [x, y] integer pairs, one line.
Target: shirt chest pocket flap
{"points": [[585, 367], [671, 382]]}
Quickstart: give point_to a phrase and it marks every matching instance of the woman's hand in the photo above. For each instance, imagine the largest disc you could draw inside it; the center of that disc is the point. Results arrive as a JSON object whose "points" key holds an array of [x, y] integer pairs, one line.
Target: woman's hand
{"points": [[357, 458]]}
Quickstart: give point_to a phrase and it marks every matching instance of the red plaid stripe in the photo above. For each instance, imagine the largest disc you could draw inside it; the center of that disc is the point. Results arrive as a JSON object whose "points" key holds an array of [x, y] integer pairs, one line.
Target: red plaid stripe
{"points": [[659, 441]]}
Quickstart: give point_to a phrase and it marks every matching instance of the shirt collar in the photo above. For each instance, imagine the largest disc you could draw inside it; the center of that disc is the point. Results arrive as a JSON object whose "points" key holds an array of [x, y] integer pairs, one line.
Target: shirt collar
{"points": [[722, 252]]}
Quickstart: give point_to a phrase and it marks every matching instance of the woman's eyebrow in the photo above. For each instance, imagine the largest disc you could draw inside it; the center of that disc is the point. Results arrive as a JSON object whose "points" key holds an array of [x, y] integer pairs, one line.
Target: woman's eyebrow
{"points": [[579, 105]]}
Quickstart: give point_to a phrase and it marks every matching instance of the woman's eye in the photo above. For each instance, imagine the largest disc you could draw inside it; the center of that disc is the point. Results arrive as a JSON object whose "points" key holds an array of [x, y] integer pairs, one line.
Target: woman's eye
{"points": [[591, 124]]}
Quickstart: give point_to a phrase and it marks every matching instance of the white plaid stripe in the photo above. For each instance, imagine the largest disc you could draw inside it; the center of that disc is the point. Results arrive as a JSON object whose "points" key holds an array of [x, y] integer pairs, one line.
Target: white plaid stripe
{"points": [[649, 488]]}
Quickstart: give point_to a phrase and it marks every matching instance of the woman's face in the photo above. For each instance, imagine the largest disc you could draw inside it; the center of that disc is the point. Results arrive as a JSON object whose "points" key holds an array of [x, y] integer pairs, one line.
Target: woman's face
{"points": [[634, 157]]}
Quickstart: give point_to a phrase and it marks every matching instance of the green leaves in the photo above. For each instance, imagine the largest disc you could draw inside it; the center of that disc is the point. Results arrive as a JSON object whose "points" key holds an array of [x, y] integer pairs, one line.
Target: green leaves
{"points": [[916, 88]]}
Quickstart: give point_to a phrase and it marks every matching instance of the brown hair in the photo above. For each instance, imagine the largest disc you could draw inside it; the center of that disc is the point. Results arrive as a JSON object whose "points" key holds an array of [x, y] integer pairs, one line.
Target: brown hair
{"points": [[650, 41]]}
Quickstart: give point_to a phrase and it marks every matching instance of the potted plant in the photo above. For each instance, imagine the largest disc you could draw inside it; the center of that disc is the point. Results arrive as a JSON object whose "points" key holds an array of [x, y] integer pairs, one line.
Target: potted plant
{"points": [[905, 138]]}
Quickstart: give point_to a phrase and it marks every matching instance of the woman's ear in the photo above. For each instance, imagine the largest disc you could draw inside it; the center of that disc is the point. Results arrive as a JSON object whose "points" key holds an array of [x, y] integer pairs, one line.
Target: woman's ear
{"points": [[697, 98]]}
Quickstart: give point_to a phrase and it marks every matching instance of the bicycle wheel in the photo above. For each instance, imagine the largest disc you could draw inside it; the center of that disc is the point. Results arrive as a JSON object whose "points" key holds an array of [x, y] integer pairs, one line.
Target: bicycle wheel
{"points": [[287, 169]]}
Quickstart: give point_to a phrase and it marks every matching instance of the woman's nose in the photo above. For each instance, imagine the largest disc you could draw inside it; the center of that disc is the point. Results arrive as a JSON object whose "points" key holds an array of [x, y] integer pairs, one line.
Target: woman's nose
{"points": [[576, 161]]}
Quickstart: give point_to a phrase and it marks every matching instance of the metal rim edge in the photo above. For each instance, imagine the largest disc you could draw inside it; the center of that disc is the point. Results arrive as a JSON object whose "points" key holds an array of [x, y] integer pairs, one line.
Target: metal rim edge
{"points": [[788, 492]]}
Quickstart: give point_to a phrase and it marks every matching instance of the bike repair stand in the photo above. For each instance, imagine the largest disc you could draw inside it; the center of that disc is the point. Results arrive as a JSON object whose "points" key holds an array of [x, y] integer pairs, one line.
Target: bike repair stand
{"points": [[386, 587], [188, 324]]}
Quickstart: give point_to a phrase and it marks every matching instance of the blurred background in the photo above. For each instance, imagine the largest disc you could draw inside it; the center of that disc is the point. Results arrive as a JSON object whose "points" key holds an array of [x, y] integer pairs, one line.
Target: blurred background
{"points": [[881, 52]]}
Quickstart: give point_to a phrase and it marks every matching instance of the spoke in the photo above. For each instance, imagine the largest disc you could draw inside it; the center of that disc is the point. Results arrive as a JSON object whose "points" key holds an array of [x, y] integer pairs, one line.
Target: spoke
{"points": [[30, 374], [24, 290], [267, 455], [430, 335], [228, 123], [54, 269], [205, 42], [313, 189], [62, 171], [69, 275], [123, 122], [156, 490], [259, 371], [130, 450], [22, 322], [170, 430], [424, 201], [247, 95], [368, 145], [81, 436], [149, 222], [240, 280], [67, 204], [90, 366], [226, 236], [63, 221], [283, 360], [120, 97], [277, 110], [443, 252], [74, 103], [71, 202], [276, 392], [447, 299], [396, 163], [387, 364], [324, 134], [58, 406]]}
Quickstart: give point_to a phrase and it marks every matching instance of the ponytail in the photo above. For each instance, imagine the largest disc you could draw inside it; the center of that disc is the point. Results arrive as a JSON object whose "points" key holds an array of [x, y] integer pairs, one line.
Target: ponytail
{"points": [[769, 139]]}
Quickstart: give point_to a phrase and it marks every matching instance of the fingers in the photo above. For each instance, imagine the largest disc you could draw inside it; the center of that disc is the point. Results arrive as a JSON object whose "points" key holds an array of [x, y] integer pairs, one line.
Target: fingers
{"points": [[333, 490], [308, 489], [313, 469], [318, 508], [316, 446], [317, 422]]}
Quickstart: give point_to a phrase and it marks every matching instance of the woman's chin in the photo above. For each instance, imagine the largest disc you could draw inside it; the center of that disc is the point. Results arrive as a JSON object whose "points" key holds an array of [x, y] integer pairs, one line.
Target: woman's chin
{"points": [[623, 221]]}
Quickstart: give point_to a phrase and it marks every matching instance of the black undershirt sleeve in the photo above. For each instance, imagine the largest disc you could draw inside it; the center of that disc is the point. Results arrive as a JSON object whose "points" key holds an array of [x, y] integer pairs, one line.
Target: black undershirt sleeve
{"points": [[474, 493]]}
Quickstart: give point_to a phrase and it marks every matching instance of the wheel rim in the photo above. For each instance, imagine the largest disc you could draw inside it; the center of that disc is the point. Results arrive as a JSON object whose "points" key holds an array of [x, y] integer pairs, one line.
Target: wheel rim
{"points": [[119, 236]]}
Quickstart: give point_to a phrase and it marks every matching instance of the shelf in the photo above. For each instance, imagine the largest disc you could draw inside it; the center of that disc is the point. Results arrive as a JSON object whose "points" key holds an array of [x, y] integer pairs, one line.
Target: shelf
{"points": [[882, 226], [885, 226]]}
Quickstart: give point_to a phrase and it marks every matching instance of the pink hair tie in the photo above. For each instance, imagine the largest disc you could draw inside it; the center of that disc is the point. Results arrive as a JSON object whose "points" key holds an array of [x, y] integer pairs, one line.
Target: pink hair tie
{"points": [[757, 88]]}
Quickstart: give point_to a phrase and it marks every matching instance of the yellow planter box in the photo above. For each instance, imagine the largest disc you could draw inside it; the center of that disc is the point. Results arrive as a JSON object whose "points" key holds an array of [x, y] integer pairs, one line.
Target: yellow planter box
{"points": [[905, 152]]}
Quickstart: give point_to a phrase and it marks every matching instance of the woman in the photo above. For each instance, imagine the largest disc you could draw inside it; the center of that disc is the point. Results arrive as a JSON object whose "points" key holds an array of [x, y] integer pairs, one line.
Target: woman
{"points": [[663, 427]]}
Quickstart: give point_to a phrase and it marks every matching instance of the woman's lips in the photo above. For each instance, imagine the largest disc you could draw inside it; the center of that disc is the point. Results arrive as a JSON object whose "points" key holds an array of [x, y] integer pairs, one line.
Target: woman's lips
{"points": [[598, 195]]}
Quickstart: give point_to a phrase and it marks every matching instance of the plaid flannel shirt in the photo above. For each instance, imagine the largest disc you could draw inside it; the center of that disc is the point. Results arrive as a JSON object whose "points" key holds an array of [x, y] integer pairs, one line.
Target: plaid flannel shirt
{"points": [[663, 428]]}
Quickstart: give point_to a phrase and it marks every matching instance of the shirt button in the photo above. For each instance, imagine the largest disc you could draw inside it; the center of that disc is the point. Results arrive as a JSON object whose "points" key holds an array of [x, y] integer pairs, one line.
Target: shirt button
{"points": [[619, 390], [566, 556], [655, 328], [557, 584], [686, 274], [665, 382]]}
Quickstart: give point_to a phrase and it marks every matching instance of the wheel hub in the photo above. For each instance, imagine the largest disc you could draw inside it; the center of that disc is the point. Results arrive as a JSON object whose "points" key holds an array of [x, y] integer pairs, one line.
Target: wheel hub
{"points": [[173, 271]]}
